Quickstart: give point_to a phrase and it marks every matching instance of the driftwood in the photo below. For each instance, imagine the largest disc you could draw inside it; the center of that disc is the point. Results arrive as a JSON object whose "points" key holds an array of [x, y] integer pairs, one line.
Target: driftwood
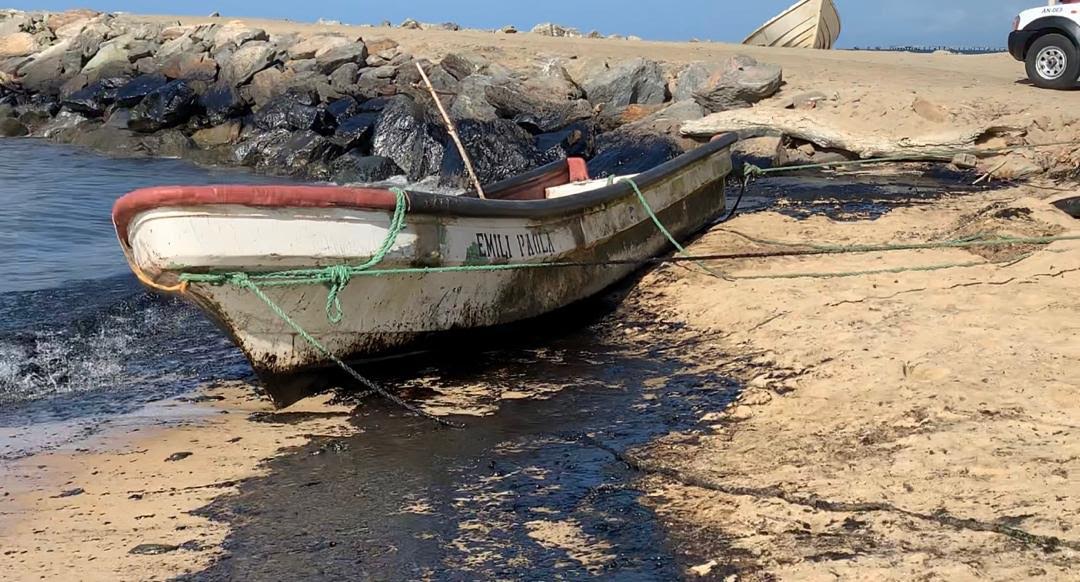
{"points": [[826, 133]]}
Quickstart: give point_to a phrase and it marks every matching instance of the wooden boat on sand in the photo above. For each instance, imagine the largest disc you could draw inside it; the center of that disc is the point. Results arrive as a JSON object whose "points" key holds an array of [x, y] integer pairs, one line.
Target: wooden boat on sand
{"points": [[806, 24], [445, 263]]}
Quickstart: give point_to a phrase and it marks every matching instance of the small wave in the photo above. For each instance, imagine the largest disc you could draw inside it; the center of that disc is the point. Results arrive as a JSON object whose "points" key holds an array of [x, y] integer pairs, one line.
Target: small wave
{"points": [[130, 351]]}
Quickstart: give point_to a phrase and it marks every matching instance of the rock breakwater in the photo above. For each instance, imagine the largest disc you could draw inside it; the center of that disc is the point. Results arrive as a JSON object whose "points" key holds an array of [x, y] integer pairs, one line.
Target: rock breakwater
{"points": [[336, 106]]}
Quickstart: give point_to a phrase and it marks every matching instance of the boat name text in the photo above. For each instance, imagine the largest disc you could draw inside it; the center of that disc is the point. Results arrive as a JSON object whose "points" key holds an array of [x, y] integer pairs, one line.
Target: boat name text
{"points": [[510, 246]]}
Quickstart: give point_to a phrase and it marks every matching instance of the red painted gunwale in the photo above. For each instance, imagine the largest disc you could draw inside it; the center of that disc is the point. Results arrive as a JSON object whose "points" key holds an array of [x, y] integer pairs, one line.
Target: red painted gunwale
{"points": [[270, 196], [296, 196]]}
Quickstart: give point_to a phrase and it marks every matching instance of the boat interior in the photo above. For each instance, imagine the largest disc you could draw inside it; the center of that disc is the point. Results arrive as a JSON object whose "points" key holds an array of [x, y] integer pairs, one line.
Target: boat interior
{"points": [[556, 180]]}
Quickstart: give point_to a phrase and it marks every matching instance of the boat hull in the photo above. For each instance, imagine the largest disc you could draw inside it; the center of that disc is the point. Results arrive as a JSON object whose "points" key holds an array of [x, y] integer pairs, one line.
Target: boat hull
{"points": [[387, 315], [806, 24]]}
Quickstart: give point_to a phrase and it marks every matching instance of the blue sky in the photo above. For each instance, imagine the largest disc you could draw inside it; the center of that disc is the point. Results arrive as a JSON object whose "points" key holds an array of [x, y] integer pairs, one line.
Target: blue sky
{"points": [[866, 22]]}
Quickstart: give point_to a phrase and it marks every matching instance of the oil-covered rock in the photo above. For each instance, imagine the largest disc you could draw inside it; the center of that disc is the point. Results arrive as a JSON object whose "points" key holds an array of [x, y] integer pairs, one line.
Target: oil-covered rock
{"points": [[499, 149], [167, 106], [406, 134]]}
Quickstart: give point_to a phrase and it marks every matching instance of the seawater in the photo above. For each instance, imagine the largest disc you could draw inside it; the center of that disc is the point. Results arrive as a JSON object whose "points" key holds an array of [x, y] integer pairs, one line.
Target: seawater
{"points": [[78, 335]]}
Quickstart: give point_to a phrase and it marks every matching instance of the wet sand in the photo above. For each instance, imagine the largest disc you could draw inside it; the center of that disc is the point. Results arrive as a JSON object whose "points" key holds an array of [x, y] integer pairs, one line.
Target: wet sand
{"points": [[918, 425], [81, 510], [894, 426], [954, 424]]}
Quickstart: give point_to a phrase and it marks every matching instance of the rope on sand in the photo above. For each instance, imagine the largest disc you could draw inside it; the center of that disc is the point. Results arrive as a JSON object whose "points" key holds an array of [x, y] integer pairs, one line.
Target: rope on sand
{"points": [[337, 277]]}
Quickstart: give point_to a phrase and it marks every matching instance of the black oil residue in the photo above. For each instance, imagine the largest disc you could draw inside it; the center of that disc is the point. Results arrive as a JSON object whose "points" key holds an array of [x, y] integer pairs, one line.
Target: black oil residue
{"points": [[404, 499], [848, 196]]}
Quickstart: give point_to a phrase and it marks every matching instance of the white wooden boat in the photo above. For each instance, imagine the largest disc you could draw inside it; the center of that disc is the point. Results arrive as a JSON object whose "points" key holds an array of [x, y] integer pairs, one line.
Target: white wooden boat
{"points": [[806, 24], [551, 215]]}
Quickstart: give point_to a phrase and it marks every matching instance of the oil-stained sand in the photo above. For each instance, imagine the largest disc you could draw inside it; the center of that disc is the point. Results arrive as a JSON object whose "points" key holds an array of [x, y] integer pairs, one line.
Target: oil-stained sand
{"points": [[945, 402]]}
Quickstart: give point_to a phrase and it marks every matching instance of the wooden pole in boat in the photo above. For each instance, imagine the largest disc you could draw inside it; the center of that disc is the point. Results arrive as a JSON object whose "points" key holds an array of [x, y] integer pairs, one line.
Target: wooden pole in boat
{"points": [[453, 131]]}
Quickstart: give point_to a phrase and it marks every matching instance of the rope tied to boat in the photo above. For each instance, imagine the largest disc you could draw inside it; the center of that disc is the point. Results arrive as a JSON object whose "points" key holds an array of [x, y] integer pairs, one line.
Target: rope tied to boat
{"points": [[663, 229], [243, 281], [337, 277], [751, 171]]}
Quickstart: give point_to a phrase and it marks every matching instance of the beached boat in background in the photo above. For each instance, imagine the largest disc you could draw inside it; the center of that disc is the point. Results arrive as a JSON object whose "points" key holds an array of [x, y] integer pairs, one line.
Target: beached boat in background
{"points": [[807, 24], [554, 214]]}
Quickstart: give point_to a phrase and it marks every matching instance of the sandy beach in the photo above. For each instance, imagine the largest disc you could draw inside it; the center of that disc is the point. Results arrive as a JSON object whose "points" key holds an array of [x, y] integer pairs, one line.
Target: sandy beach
{"points": [[903, 415]]}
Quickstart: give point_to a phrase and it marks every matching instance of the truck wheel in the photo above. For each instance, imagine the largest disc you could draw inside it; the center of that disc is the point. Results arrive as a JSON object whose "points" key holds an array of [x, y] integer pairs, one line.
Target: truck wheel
{"points": [[1053, 62]]}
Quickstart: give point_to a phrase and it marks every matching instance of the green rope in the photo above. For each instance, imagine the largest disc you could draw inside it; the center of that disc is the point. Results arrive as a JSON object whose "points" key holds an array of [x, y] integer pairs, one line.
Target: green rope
{"points": [[973, 241], [339, 276], [751, 171], [893, 270], [243, 282], [663, 230]]}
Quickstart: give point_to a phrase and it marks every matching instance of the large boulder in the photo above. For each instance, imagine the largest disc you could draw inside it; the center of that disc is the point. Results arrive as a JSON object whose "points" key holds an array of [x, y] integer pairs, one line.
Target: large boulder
{"points": [[304, 153], [378, 45], [13, 22], [167, 106], [626, 152], [341, 109], [741, 82], [259, 147], [60, 20], [539, 116], [406, 135], [265, 85], [181, 45], [222, 101], [471, 101], [11, 127], [343, 79], [146, 31], [636, 81], [551, 82], [376, 82], [691, 78], [19, 44], [170, 143], [133, 92], [46, 73], [462, 65], [190, 67], [86, 42], [110, 140], [308, 47], [356, 131], [668, 122], [140, 49], [94, 99], [356, 168], [409, 81], [499, 149], [329, 60], [111, 60], [296, 110], [235, 34], [248, 60], [218, 135]]}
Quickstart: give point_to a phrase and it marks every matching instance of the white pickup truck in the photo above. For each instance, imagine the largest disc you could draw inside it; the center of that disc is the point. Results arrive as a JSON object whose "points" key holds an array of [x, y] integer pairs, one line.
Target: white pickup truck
{"points": [[1048, 40]]}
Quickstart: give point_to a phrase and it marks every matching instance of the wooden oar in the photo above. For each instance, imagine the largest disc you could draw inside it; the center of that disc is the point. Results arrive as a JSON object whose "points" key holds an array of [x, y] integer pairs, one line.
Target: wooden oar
{"points": [[453, 131]]}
